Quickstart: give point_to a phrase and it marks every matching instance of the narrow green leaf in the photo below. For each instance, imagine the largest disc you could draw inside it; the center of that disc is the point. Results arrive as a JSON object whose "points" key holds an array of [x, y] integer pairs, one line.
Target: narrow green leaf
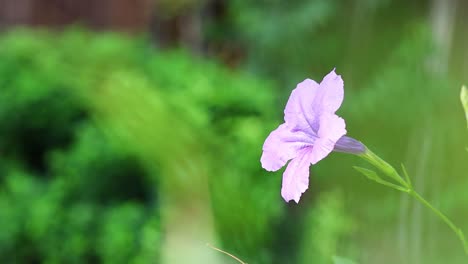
{"points": [[372, 175], [464, 100], [408, 180]]}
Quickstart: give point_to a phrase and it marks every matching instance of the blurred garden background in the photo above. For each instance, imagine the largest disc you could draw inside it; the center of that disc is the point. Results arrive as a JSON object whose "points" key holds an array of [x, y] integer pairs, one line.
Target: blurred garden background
{"points": [[131, 130]]}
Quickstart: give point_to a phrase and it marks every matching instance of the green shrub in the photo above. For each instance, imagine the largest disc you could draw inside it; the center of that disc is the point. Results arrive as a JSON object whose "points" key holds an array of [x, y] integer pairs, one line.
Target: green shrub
{"points": [[73, 192]]}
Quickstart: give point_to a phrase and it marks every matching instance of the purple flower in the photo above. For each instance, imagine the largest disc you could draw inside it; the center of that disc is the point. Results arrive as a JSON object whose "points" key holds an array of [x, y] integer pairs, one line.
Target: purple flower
{"points": [[310, 132]]}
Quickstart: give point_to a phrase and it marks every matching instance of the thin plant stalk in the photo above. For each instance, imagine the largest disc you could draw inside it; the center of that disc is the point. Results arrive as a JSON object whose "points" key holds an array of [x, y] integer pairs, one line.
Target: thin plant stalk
{"points": [[226, 253], [404, 185]]}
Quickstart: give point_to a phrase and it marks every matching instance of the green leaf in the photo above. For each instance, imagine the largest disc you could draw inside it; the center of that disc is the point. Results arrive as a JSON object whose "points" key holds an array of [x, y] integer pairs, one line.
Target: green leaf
{"points": [[408, 179], [464, 100], [371, 175]]}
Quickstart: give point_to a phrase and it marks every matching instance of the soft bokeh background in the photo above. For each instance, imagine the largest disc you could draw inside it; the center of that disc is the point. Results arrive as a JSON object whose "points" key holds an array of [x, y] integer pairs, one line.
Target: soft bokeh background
{"points": [[131, 131]]}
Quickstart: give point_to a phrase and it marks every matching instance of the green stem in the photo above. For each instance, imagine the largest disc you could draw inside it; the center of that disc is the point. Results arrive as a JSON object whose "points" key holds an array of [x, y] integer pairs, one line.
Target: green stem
{"points": [[444, 218], [407, 187]]}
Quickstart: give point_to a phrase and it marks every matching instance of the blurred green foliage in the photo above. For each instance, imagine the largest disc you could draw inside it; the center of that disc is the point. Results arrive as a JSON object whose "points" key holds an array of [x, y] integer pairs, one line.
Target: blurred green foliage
{"points": [[292, 40], [328, 225], [73, 191]]}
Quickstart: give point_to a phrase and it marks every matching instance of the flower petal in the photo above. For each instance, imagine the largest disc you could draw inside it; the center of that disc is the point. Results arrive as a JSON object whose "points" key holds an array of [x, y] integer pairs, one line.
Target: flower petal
{"points": [[299, 112], [332, 128], [296, 176], [282, 145], [330, 94]]}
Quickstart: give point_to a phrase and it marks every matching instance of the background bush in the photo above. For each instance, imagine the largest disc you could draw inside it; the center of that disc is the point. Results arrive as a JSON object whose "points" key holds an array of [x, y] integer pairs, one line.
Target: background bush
{"points": [[72, 193]]}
